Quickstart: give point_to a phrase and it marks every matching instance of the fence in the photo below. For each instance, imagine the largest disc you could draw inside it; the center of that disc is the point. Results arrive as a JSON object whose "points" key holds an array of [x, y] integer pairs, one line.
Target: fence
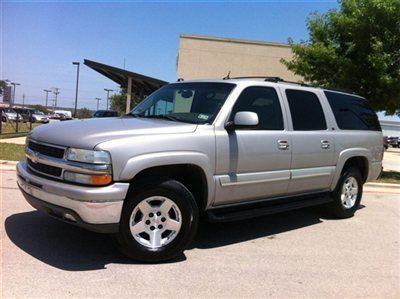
{"points": [[16, 125]]}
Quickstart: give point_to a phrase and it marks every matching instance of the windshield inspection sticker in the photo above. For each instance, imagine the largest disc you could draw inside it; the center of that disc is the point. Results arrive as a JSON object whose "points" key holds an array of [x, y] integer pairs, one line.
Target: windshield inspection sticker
{"points": [[202, 116]]}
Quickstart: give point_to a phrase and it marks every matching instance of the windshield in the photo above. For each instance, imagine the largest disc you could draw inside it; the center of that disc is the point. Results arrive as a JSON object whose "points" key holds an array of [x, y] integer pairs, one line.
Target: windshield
{"points": [[187, 102], [38, 112], [9, 110]]}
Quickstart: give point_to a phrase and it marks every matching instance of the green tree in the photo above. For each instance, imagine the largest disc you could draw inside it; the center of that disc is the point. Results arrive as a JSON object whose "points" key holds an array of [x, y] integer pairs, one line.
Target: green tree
{"points": [[3, 85], [41, 108], [356, 47], [118, 102], [83, 113]]}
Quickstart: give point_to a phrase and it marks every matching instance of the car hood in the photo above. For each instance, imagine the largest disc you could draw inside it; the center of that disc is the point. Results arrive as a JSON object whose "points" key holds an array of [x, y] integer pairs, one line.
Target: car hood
{"points": [[88, 133]]}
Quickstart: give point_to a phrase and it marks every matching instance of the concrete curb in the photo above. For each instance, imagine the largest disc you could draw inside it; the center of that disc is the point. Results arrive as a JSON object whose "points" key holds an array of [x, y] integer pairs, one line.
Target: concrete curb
{"points": [[382, 185], [8, 162]]}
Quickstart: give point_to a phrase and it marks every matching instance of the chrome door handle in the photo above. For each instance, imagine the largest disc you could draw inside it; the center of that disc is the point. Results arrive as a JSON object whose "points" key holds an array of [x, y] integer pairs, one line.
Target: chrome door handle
{"points": [[283, 144], [325, 144]]}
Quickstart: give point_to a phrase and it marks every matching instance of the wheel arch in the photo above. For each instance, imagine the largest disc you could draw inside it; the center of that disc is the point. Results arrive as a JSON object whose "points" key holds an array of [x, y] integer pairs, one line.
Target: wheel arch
{"points": [[359, 158]]}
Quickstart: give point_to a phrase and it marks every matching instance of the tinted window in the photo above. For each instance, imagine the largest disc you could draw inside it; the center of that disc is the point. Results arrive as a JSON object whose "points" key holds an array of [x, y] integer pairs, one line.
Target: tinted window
{"points": [[197, 102], [352, 112], [263, 101], [306, 110]]}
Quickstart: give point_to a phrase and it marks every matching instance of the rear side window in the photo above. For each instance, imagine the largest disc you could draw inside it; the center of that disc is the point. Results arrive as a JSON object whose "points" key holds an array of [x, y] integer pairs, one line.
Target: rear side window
{"points": [[265, 102], [306, 110], [352, 112]]}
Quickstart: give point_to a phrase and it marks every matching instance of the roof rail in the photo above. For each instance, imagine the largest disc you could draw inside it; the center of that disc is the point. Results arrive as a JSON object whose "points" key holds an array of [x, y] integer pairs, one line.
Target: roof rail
{"points": [[273, 79]]}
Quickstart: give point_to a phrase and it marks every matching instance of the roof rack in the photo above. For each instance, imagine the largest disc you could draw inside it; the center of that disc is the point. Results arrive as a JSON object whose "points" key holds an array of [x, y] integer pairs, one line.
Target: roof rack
{"points": [[273, 79]]}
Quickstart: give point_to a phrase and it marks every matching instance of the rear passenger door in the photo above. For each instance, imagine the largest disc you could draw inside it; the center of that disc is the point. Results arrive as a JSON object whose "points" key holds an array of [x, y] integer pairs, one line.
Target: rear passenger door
{"points": [[312, 165]]}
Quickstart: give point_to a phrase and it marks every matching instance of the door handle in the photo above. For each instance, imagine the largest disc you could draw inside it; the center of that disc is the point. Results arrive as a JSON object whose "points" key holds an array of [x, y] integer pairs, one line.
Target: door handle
{"points": [[325, 144], [283, 144]]}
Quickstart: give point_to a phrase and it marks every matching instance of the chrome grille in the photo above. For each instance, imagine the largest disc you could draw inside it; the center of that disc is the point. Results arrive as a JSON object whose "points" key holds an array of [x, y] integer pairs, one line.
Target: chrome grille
{"points": [[46, 150], [45, 169]]}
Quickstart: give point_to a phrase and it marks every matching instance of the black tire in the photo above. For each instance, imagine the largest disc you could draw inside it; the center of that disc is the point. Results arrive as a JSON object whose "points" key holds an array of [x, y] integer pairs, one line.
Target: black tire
{"points": [[186, 203], [337, 207]]}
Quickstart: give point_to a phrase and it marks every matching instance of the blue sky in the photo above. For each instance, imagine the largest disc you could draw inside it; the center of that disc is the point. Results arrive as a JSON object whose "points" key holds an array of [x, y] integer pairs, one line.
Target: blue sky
{"points": [[41, 39]]}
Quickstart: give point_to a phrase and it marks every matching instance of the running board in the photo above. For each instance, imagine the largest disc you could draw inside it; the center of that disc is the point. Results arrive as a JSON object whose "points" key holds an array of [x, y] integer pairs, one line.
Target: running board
{"points": [[245, 211]]}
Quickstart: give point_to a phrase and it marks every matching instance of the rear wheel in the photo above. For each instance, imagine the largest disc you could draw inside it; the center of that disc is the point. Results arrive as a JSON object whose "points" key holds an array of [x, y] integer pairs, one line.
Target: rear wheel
{"points": [[158, 221], [348, 193]]}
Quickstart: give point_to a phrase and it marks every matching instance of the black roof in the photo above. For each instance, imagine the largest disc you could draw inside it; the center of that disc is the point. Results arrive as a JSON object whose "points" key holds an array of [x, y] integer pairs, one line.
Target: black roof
{"points": [[120, 76]]}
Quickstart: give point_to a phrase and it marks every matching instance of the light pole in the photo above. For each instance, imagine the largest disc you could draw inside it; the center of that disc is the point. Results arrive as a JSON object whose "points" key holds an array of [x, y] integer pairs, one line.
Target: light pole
{"points": [[23, 100], [13, 98], [47, 95], [98, 100], [77, 83], [56, 92], [108, 92]]}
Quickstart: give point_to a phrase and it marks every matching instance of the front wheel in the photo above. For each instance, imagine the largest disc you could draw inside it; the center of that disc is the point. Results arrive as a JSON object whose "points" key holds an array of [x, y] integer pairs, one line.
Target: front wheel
{"points": [[348, 193], [158, 221]]}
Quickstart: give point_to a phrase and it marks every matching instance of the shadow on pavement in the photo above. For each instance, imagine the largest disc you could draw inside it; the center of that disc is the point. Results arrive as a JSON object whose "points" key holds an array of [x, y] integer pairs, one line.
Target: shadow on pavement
{"points": [[71, 248]]}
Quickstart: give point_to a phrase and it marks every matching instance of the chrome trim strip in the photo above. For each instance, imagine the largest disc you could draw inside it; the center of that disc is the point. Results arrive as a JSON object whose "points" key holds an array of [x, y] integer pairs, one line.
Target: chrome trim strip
{"points": [[47, 144], [68, 165], [306, 173], [253, 178]]}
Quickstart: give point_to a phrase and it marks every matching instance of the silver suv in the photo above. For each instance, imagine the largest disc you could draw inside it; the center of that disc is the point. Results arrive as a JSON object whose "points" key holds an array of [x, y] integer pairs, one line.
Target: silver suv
{"points": [[226, 149]]}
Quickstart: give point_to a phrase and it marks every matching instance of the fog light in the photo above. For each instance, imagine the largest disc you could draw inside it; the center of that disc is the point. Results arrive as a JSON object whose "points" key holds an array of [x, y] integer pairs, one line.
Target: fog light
{"points": [[88, 179]]}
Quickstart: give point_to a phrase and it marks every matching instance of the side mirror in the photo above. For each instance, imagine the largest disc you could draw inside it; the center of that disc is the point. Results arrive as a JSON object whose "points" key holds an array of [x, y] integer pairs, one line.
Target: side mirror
{"points": [[243, 119]]}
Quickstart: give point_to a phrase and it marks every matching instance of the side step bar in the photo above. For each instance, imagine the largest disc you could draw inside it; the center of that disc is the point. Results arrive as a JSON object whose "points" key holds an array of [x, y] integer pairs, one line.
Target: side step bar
{"points": [[273, 206]]}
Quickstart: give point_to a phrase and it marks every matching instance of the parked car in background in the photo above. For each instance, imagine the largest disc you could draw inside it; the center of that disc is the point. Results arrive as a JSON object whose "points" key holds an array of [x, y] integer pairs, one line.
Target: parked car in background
{"points": [[32, 115], [105, 113], [66, 113], [8, 114], [385, 142], [393, 141]]}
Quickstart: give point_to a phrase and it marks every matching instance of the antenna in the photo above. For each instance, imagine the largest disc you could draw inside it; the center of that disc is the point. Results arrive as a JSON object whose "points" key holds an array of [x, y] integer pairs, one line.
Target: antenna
{"points": [[227, 76]]}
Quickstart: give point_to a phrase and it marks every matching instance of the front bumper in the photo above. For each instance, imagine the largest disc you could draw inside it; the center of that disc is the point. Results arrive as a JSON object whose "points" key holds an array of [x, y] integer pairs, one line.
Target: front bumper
{"points": [[94, 208]]}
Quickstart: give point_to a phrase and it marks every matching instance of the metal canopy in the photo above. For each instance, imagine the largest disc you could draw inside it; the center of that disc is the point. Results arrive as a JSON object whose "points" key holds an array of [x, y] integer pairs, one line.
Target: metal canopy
{"points": [[141, 84]]}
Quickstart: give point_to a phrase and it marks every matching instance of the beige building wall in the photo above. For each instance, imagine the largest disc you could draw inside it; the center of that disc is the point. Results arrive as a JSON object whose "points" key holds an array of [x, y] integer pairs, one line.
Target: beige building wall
{"points": [[202, 57]]}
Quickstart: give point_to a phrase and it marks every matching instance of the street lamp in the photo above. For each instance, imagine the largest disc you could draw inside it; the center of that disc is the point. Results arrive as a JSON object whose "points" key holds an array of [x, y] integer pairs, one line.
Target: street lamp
{"points": [[13, 98], [56, 92], [98, 99], [108, 91], [47, 95], [77, 83]]}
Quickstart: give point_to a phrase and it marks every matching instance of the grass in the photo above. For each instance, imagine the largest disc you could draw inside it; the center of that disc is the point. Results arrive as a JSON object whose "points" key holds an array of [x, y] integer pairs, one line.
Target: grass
{"points": [[13, 152], [16, 152], [391, 177]]}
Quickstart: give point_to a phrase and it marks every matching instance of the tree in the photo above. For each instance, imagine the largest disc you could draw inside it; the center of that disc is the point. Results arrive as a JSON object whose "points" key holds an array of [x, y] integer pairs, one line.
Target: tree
{"points": [[83, 113], [3, 85], [356, 47], [118, 102], [41, 108]]}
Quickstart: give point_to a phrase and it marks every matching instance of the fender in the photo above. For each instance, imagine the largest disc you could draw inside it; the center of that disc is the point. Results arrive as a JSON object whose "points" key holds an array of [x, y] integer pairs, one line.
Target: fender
{"points": [[141, 162], [346, 155]]}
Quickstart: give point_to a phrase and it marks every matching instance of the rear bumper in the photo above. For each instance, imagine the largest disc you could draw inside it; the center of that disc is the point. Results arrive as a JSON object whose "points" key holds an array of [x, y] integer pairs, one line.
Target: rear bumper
{"points": [[94, 208]]}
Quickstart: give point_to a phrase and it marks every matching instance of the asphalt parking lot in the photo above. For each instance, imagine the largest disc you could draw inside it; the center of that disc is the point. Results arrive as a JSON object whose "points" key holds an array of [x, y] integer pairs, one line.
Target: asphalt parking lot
{"points": [[302, 253]]}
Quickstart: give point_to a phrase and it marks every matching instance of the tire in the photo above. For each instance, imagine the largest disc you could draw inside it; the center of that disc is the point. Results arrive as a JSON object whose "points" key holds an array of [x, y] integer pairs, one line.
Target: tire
{"points": [[140, 214], [345, 206]]}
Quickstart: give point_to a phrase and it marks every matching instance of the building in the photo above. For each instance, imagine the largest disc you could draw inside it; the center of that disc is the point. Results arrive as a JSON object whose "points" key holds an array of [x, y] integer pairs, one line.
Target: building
{"points": [[214, 57], [202, 57]]}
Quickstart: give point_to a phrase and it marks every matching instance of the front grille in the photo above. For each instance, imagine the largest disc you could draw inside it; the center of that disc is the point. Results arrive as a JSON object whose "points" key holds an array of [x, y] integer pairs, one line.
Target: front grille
{"points": [[45, 169], [46, 150]]}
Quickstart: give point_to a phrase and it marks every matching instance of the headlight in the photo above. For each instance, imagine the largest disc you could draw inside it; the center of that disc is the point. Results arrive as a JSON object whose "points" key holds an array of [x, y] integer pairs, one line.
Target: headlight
{"points": [[88, 156], [88, 179]]}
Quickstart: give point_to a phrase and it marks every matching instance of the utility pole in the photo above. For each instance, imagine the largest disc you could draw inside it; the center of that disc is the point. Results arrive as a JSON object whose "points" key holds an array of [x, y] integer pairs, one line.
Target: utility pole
{"points": [[13, 98], [98, 99], [47, 95], [56, 92], [76, 90], [23, 100], [108, 93]]}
